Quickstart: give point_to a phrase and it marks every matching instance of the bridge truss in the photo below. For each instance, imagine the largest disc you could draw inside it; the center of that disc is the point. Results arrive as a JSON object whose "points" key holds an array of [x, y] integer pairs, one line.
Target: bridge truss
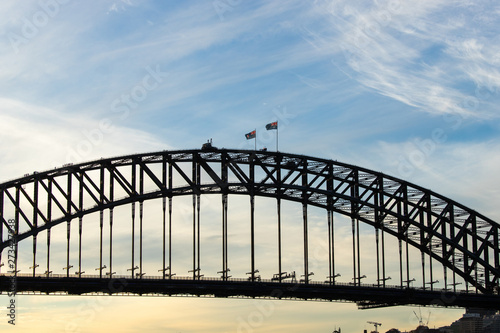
{"points": [[463, 242]]}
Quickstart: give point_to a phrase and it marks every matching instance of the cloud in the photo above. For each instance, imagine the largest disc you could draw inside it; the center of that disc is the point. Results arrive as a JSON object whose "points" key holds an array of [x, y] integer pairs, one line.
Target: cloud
{"points": [[37, 138], [386, 48], [113, 8]]}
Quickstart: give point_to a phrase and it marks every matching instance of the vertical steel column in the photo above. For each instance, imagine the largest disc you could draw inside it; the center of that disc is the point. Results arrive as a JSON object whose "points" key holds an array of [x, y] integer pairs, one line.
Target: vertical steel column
{"points": [[331, 246], [496, 251], [400, 262], [382, 213], [141, 210], [198, 243], [16, 231], [141, 214], [486, 269], [400, 243], [252, 236], [429, 248], [359, 252], [35, 222], [378, 257], [429, 236], [443, 243], [452, 248], [407, 262], [49, 219], [226, 243], [306, 245], [198, 229], [377, 221], [423, 218], [423, 269], [331, 226], [224, 236], [80, 224], [304, 218], [466, 257], [430, 269], [382, 234], [111, 198], [68, 223], [278, 207], [407, 229], [355, 231], [101, 217], [474, 250], [252, 218], [224, 166], [164, 220], [193, 180], [2, 218], [353, 225], [134, 193], [170, 184], [164, 208]]}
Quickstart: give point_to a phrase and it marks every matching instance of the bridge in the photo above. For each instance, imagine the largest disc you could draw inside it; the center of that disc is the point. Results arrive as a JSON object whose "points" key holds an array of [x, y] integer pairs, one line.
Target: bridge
{"points": [[301, 228]]}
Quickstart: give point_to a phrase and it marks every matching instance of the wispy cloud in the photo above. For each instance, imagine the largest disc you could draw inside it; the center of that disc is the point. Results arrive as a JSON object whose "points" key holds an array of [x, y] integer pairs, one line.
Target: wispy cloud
{"points": [[403, 51]]}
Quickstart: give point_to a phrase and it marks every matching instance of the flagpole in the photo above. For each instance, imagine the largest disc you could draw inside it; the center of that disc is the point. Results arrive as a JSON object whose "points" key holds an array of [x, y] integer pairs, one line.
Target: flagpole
{"points": [[277, 136], [255, 139]]}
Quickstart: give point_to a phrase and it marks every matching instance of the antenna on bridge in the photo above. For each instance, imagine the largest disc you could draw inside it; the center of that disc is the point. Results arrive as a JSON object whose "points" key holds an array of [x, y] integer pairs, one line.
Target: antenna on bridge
{"points": [[254, 277], [331, 279], [382, 280], [431, 283], [224, 273], [409, 281]]}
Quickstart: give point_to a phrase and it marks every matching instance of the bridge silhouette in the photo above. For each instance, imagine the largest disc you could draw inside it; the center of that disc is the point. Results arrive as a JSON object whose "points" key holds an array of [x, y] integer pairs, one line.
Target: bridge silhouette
{"points": [[59, 224]]}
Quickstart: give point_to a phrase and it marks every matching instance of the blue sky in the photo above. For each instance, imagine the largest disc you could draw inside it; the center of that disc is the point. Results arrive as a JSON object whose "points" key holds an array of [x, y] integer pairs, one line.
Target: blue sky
{"points": [[407, 88]]}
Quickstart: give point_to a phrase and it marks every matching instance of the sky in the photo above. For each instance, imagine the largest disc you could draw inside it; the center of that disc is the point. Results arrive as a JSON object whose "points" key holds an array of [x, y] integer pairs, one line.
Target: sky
{"points": [[410, 89]]}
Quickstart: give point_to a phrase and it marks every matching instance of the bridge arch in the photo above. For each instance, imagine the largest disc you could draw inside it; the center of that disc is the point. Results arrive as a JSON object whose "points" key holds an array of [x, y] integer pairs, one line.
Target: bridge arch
{"points": [[459, 238]]}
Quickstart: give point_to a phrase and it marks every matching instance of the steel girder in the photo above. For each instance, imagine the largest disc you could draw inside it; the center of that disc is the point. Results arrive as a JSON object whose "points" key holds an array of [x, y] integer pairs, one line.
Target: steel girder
{"points": [[461, 239]]}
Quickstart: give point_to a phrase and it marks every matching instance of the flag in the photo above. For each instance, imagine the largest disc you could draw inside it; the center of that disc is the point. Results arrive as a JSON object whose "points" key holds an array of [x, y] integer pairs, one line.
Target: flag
{"points": [[250, 135], [271, 126]]}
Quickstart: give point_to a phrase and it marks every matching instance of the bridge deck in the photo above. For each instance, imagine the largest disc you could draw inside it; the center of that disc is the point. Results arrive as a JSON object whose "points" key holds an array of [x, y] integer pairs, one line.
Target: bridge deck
{"points": [[365, 296]]}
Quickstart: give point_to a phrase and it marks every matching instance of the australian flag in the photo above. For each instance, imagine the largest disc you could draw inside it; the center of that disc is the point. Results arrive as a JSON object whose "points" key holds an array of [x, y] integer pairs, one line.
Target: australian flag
{"points": [[271, 126], [250, 135]]}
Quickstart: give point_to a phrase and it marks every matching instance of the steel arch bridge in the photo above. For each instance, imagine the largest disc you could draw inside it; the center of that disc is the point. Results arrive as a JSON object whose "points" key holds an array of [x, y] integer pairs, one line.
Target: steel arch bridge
{"points": [[444, 233]]}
